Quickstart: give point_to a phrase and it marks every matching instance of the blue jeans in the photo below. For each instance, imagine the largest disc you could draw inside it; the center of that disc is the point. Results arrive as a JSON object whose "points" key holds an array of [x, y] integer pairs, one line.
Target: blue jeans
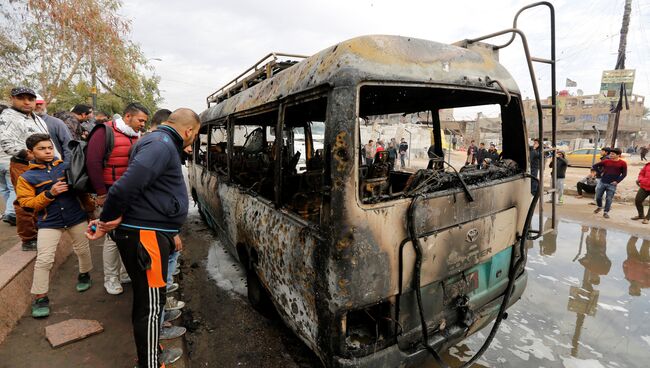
{"points": [[601, 189], [171, 266], [7, 190], [597, 185]]}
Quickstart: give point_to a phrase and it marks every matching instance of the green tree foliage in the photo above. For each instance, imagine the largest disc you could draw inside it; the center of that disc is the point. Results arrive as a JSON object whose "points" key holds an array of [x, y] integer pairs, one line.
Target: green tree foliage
{"points": [[60, 46]]}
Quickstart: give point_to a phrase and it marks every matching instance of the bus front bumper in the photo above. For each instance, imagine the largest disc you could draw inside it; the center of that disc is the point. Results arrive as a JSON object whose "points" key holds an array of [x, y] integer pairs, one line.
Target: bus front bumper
{"points": [[393, 356]]}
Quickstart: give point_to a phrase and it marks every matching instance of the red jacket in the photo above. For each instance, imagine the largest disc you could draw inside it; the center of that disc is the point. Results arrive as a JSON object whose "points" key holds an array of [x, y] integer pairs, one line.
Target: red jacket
{"points": [[644, 177], [103, 174], [118, 160]]}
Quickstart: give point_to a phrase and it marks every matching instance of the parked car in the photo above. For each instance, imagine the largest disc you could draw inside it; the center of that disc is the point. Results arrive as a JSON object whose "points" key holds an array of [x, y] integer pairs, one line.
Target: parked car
{"points": [[583, 157]]}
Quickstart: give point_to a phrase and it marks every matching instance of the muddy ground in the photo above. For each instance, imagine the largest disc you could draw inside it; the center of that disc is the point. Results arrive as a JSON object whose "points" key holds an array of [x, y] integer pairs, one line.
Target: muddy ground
{"points": [[225, 331]]}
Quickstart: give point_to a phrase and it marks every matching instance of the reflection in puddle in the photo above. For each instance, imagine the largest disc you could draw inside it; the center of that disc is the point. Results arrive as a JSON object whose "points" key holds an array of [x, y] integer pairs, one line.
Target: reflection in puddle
{"points": [[586, 305]]}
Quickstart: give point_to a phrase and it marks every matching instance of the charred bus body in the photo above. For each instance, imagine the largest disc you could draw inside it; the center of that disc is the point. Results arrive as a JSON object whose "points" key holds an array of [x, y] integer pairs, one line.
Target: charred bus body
{"points": [[356, 257]]}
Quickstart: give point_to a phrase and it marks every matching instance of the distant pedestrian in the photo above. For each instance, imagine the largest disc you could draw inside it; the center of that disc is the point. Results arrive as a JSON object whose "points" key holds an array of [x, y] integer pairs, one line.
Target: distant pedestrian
{"points": [[73, 120], [535, 154], [146, 209], [43, 190], [454, 141], [380, 146], [56, 128], [587, 184], [481, 153], [643, 181], [613, 171], [17, 123], [370, 149], [392, 155], [492, 155], [562, 165], [403, 149], [435, 158], [471, 154], [643, 152]]}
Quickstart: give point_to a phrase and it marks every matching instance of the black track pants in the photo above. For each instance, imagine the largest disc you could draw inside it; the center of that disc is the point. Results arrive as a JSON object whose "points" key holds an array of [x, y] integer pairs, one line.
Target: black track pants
{"points": [[140, 249]]}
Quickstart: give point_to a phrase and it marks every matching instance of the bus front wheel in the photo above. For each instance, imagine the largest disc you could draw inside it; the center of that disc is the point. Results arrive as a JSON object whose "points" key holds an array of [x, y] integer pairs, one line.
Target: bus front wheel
{"points": [[257, 295]]}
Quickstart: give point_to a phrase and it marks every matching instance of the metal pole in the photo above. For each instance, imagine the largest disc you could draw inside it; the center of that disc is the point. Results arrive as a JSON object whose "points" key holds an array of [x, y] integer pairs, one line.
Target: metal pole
{"points": [[593, 156], [410, 147], [93, 88], [612, 123], [449, 147]]}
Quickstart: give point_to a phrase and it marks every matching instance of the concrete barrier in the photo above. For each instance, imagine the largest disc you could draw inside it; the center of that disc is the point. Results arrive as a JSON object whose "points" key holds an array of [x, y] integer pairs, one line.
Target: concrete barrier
{"points": [[16, 272]]}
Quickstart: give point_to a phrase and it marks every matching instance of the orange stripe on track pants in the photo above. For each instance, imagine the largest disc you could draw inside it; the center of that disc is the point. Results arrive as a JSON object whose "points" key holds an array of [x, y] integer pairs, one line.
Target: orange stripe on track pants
{"points": [[154, 274]]}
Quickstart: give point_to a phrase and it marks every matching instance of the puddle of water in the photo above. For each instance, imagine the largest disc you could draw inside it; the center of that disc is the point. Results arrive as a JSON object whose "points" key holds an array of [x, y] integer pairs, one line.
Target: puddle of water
{"points": [[221, 266], [587, 304], [225, 270]]}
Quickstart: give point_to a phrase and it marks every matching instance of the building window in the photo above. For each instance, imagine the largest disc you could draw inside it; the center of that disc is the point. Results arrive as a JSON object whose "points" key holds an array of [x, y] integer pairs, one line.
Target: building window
{"points": [[586, 117], [569, 119], [603, 118]]}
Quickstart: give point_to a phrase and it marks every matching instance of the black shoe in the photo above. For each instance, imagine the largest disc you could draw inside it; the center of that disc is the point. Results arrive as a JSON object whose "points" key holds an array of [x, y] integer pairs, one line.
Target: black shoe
{"points": [[29, 245], [598, 209], [10, 219], [83, 282]]}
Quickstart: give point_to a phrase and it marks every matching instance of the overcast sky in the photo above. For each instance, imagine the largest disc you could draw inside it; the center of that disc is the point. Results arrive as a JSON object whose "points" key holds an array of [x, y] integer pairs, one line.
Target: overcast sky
{"points": [[203, 45]]}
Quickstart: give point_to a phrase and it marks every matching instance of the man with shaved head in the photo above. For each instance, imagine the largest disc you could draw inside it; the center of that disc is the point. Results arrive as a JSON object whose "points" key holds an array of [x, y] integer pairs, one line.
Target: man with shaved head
{"points": [[144, 212]]}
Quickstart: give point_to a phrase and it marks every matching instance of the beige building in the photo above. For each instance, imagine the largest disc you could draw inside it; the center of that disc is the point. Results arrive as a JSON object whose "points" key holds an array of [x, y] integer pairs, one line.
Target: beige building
{"points": [[577, 115]]}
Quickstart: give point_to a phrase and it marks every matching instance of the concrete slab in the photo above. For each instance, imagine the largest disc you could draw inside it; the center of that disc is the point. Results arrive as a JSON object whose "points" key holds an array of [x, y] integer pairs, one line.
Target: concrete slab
{"points": [[16, 272], [72, 330]]}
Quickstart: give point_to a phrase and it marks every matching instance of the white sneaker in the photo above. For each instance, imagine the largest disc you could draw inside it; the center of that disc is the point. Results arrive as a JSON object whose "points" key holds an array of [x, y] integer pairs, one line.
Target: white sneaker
{"points": [[113, 286], [173, 304], [172, 287], [125, 279]]}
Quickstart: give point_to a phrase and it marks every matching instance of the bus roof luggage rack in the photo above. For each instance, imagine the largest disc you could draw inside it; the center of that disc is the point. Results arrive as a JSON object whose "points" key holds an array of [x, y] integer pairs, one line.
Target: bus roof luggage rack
{"points": [[266, 68]]}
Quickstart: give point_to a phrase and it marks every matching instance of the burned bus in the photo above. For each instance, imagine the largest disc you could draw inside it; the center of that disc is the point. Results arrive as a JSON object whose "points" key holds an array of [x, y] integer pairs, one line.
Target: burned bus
{"points": [[371, 264]]}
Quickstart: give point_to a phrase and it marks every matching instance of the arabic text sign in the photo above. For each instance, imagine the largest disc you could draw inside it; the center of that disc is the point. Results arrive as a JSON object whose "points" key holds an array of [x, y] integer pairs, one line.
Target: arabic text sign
{"points": [[610, 84]]}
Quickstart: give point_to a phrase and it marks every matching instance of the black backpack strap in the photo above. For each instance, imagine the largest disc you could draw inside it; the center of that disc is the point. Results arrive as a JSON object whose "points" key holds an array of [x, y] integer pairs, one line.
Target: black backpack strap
{"points": [[110, 140]]}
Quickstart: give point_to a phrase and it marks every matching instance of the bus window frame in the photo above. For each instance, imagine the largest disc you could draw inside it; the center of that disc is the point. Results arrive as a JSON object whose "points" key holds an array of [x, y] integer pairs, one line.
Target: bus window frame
{"points": [[301, 98], [210, 126], [516, 97], [197, 147]]}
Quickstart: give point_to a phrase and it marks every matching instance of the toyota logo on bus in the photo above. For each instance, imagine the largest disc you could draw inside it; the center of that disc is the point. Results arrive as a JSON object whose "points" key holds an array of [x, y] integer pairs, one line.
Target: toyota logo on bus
{"points": [[472, 235]]}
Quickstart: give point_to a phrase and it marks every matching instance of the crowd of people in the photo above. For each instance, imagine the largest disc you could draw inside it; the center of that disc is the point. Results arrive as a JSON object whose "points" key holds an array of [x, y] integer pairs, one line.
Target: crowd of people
{"points": [[602, 181], [135, 200]]}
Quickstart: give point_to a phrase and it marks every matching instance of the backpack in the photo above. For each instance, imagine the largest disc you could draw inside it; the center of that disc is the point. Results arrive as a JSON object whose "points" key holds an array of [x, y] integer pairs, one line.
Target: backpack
{"points": [[76, 175]]}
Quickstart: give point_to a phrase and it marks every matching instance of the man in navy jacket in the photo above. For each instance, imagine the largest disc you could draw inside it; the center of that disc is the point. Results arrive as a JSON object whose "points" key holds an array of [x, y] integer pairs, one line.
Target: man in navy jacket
{"points": [[146, 208]]}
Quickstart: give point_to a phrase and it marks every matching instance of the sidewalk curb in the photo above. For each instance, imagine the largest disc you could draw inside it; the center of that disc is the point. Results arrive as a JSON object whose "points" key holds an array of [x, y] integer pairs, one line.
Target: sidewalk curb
{"points": [[16, 272], [617, 197]]}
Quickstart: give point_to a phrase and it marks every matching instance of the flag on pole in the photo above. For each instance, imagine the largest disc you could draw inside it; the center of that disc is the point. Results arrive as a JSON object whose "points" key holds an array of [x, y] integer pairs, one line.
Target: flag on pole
{"points": [[570, 83]]}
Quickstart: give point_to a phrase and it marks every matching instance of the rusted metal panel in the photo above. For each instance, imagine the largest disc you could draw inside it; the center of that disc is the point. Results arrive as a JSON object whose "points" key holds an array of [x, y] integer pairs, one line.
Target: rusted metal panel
{"points": [[284, 252], [373, 58]]}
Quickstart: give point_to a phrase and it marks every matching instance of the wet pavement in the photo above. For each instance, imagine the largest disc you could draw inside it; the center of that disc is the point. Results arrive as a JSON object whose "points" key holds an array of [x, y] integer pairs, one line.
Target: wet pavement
{"points": [[587, 304]]}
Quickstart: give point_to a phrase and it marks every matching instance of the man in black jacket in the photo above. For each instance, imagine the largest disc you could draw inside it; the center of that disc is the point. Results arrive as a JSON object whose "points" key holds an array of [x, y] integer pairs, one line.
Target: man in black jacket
{"points": [[146, 209], [562, 165]]}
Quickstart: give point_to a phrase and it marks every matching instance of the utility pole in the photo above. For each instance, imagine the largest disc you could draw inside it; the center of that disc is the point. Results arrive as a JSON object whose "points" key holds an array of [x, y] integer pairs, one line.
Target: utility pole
{"points": [[614, 117], [93, 88]]}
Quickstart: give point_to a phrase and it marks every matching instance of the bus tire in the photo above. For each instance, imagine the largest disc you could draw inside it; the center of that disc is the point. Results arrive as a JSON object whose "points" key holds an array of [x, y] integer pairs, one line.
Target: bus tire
{"points": [[205, 220], [257, 295]]}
